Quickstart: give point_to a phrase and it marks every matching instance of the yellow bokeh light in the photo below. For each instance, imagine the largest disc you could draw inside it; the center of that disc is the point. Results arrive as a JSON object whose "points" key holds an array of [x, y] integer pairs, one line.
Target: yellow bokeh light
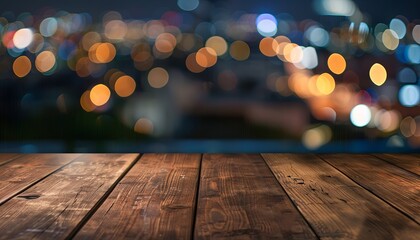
{"points": [[336, 63], [206, 57], [266, 46], [165, 43], [86, 103], [325, 84], [192, 64], [125, 86], [390, 39], [218, 44], [239, 50], [22, 66], [100, 94], [378, 74], [45, 61], [158, 77], [102, 52]]}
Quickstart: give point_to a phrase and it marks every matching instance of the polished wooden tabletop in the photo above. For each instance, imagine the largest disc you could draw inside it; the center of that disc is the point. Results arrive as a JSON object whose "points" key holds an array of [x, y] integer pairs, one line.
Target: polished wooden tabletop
{"points": [[209, 196]]}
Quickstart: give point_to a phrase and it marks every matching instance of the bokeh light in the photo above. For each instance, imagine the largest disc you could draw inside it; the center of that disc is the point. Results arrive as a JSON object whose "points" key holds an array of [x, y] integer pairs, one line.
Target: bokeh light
{"points": [[23, 38], [239, 50], [266, 47], [378, 74], [325, 84], [218, 44], [409, 95], [360, 115], [188, 5], [99, 95], [125, 86], [45, 61], [266, 25], [398, 26], [390, 39], [158, 77], [143, 126], [337, 63], [192, 65], [86, 103], [102, 52], [22, 66], [316, 137], [48, 27], [206, 57]]}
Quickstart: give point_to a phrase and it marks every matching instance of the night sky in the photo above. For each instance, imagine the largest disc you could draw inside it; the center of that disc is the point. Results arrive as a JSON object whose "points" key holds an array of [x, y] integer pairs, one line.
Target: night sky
{"points": [[300, 9]]}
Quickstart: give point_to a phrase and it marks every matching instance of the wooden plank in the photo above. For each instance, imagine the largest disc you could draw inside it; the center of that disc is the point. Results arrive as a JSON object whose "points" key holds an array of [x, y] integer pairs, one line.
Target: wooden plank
{"points": [[239, 198], [54, 207], [382, 179], [334, 205], [409, 162], [7, 157], [155, 200], [17, 175]]}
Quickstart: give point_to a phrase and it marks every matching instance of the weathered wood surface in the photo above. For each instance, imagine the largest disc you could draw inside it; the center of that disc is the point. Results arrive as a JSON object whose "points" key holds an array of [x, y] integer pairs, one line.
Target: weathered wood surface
{"points": [[21, 173], [382, 179], [240, 199], [54, 207], [220, 196], [155, 200], [334, 205], [8, 157], [409, 162]]}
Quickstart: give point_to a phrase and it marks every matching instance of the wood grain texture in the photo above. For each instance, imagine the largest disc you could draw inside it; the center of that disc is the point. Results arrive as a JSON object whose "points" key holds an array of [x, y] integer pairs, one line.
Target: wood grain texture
{"points": [[8, 157], [55, 206], [19, 174], [382, 179], [409, 162], [334, 205], [155, 200], [239, 198]]}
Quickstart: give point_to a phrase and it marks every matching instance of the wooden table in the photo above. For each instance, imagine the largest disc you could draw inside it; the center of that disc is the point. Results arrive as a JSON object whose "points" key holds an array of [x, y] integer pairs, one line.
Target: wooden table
{"points": [[210, 196]]}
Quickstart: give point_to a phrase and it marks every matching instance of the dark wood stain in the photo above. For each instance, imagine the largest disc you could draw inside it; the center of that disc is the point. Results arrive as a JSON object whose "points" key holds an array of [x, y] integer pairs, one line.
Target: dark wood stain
{"points": [[383, 179], [155, 200], [334, 205], [53, 208], [21, 173], [240, 199]]}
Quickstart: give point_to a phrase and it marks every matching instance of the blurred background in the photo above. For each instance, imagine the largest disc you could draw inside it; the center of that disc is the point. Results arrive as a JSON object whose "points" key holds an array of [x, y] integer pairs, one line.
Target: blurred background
{"points": [[210, 76]]}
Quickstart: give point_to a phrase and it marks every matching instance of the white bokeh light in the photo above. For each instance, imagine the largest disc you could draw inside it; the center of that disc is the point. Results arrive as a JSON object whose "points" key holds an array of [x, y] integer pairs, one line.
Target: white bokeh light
{"points": [[360, 115]]}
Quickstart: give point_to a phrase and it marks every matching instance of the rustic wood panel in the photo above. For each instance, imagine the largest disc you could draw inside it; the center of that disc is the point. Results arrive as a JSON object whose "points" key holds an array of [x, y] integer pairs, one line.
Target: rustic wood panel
{"points": [[239, 198], [26, 170], [382, 179], [54, 207], [155, 200], [410, 162], [7, 157], [334, 205]]}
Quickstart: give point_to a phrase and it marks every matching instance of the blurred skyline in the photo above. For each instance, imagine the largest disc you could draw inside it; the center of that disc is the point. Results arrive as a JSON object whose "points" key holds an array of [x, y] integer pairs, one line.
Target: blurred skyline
{"points": [[377, 10]]}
